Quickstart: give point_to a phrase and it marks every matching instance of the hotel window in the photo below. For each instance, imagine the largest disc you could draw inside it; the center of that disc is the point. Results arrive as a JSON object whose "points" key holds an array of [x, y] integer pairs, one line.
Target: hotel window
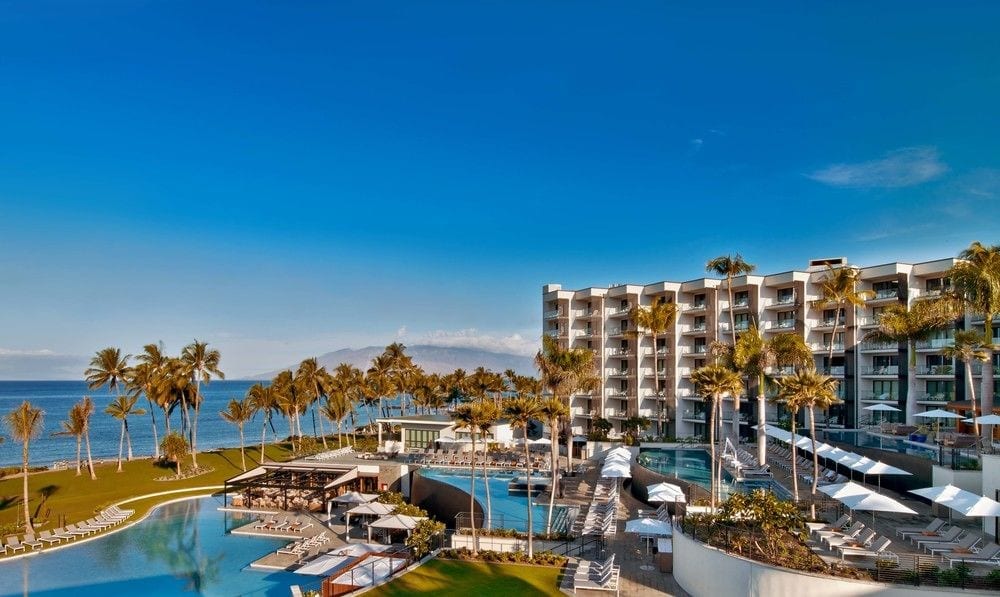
{"points": [[886, 289], [699, 322], [885, 388], [699, 301], [937, 284], [839, 341], [741, 298], [786, 295], [420, 438], [786, 319], [830, 314], [941, 389], [881, 363], [700, 346]]}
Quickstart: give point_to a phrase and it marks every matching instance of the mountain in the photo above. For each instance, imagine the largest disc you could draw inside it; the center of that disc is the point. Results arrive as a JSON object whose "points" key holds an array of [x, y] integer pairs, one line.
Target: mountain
{"points": [[433, 359]]}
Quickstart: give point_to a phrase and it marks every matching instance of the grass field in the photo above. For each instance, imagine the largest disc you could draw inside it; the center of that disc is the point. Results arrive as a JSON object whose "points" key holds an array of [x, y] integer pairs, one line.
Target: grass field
{"points": [[62, 493], [454, 577]]}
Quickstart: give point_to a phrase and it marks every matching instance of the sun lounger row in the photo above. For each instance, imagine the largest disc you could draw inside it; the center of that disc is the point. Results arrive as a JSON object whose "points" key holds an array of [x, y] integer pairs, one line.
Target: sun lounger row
{"points": [[854, 541], [597, 576], [295, 526], [106, 519], [300, 548]]}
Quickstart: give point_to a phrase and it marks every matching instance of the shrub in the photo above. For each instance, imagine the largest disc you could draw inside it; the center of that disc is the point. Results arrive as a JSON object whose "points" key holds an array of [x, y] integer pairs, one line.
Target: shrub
{"points": [[957, 576]]}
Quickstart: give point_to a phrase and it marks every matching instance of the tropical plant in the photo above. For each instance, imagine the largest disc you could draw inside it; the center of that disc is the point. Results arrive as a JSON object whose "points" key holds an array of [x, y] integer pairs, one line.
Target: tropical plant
{"points": [[466, 416], [24, 424], [898, 324], [654, 321], [813, 390], [74, 426], [292, 402], [313, 379], [203, 365], [553, 410], [122, 408], [336, 407], [522, 411], [715, 382], [400, 370], [109, 367], [839, 288], [144, 379], [976, 281], [423, 536], [730, 267], [487, 416], [239, 413], [796, 392], [264, 400], [563, 372], [87, 411], [174, 447], [969, 348]]}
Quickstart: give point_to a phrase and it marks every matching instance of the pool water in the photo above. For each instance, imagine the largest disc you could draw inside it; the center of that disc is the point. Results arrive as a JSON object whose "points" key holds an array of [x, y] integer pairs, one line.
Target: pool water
{"points": [[180, 549], [890, 444], [694, 466], [508, 511]]}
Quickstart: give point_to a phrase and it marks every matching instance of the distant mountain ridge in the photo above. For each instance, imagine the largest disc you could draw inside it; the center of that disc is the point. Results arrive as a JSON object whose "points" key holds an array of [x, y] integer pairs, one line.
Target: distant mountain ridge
{"points": [[433, 359]]}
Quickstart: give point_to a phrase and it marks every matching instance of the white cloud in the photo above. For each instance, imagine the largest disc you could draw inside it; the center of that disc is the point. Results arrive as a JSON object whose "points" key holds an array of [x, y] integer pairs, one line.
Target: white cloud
{"points": [[696, 144], [401, 333], [472, 338], [900, 168], [13, 352]]}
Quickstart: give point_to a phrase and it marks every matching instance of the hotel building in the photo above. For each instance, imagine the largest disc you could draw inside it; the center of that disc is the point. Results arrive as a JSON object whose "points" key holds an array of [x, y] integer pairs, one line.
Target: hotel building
{"points": [[782, 303]]}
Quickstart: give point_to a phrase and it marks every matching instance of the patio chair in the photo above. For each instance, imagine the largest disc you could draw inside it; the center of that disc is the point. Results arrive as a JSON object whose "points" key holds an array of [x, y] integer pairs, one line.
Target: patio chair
{"points": [[966, 544], [14, 545], [823, 526], [853, 530], [989, 555], [946, 537], [49, 538], [933, 527], [31, 542], [864, 538], [879, 550]]}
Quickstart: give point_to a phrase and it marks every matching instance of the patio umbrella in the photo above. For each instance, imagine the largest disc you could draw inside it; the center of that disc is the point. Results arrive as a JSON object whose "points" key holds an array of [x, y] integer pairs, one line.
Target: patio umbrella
{"points": [[877, 467], [354, 497], [542, 441], [988, 420], [959, 500], [938, 414], [648, 526], [843, 490], [665, 492], [881, 408], [875, 502], [616, 471]]}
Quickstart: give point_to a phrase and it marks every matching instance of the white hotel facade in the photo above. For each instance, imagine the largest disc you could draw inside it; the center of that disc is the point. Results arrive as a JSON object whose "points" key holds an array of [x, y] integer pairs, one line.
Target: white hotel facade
{"points": [[782, 303]]}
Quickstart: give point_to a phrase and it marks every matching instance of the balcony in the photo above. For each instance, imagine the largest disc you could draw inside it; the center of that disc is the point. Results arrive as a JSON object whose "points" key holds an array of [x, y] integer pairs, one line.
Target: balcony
{"points": [[741, 303], [980, 319], [835, 371], [741, 326], [888, 370], [557, 333], [621, 311], [782, 371], [924, 398], [693, 416], [615, 413], [871, 397], [620, 352], [647, 412], [619, 394], [696, 307], [825, 347], [586, 334], [617, 332], [828, 323], [935, 343], [977, 369], [782, 302], [584, 314], [618, 372], [930, 293], [660, 352], [693, 351], [660, 373], [782, 325], [879, 347], [868, 321], [698, 328], [936, 371], [886, 294], [553, 314]]}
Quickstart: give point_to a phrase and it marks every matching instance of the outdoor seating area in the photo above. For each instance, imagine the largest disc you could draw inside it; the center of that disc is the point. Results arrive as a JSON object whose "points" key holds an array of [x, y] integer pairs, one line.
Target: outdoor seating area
{"points": [[782, 458], [596, 575], [302, 548], [107, 518], [503, 459]]}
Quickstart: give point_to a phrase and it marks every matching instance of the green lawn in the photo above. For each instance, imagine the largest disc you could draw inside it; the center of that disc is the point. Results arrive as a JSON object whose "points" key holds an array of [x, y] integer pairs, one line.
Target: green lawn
{"points": [[79, 498], [455, 577]]}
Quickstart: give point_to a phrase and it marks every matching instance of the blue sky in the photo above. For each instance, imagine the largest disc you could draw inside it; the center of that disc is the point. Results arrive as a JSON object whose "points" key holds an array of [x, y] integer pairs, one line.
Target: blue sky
{"points": [[284, 179]]}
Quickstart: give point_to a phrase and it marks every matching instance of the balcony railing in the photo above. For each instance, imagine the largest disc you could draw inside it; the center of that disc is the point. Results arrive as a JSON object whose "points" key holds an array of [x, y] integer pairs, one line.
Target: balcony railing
{"points": [[618, 394], [554, 313], [929, 293], [825, 346], [741, 326], [837, 370], [936, 370], [586, 333], [866, 346], [617, 331], [884, 397], [940, 397], [739, 303], [890, 293], [696, 306], [778, 371], [977, 369], [555, 333], [785, 300], [657, 372], [699, 327], [622, 310], [782, 324], [936, 343], [828, 323], [867, 321], [886, 370], [618, 372], [620, 352]]}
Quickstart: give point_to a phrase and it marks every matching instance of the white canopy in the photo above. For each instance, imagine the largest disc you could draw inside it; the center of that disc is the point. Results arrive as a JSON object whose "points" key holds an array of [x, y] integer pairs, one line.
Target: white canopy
{"points": [[665, 492], [842, 490], [882, 407], [875, 502], [877, 467], [988, 420], [353, 497], [397, 522], [961, 501], [648, 526], [616, 472], [938, 413], [542, 441], [372, 509]]}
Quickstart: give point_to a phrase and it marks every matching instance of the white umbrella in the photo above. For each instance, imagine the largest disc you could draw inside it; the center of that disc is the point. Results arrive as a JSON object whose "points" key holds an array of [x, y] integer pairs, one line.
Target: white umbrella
{"points": [[961, 501], [648, 526], [616, 472], [988, 420], [542, 441], [665, 492], [938, 414], [875, 502], [877, 467], [843, 490], [354, 497], [620, 450], [881, 408]]}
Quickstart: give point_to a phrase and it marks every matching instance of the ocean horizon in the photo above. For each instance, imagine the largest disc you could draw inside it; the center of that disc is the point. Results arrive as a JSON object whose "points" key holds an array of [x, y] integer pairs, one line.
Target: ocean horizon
{"points": [[56, 397]]}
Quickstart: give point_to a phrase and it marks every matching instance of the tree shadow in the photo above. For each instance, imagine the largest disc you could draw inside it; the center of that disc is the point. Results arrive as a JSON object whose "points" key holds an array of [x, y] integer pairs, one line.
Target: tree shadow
{"points": [[8, 501], [46, 492]]}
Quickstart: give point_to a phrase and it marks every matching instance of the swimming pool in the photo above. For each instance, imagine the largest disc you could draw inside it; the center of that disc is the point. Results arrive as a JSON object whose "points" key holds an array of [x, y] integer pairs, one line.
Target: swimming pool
{"points": [[693, 466], [508, 511], [863, 439], [180, 549]]}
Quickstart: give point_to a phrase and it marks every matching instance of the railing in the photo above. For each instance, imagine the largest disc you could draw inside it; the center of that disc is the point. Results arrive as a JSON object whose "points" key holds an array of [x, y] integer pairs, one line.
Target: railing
{"points": [[977, 369], [828, 323], [741, 326], [891, 293], [936, 370], [622, 310], [826, 346], [940, 397], [865, 321], [617, 372], [887, 370], [884, 397], [618, 394], [695, 307], [555, 333], [620, 352], [783, 371], [698, 327], [879, 346], [741, 302], [836, 370], [782, 324], [936, 343], [551, 314], [618, 331], [655, 372]]}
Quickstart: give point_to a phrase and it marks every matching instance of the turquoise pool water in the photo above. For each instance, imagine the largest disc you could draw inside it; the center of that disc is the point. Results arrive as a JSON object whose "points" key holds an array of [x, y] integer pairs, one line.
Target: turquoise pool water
{"points": [[508, 511], [889, 444], [693, 466], [180, 549]]}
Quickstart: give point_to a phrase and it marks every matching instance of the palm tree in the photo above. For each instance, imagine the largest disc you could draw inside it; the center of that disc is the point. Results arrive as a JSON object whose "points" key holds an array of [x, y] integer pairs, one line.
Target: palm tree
{"points": [[730, 267], [144, 379], [909, 326], [553, 410], [264, 399], [313, 377], [122, 408], [839, 288], [715, 382], [87, 411], [74, 426], [466, 416], [976, 280], [380, 381], [109, 367], [351, 381], [563, 372], [810, 389], [400, 370], [968, 348], [487, 415], [239, 413], [654, 321], [336, 407], [25, 423], [292, 402], [522, 411], [203, 364]]}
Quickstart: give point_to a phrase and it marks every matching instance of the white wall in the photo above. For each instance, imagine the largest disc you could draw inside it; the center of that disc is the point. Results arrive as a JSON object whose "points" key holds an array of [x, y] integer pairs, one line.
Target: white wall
{"points": [[704, 571], [967, 480], [990, 486]]}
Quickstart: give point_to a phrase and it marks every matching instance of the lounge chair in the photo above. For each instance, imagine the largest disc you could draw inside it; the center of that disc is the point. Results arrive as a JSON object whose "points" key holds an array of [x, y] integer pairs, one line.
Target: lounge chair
{"points": [[863, 539], [933, 527], [854, 529], [49, 538], [31, 542], [878, 550], [966, 544], [946, 537], [989, 555], [823, 526], [14, 545], [79, 531]]}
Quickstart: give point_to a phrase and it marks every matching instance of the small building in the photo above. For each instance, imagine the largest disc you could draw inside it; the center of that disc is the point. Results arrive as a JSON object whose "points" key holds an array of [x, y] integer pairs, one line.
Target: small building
{"points": [[420, 432]]}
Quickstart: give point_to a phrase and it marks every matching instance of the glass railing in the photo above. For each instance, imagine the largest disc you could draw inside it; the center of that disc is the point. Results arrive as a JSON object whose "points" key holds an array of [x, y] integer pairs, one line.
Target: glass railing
{"points": [[828, 323], [620, 352], [618, 372], [785, 300], [826, 346], [699, 327], [838, 370], [695, 307], [977, 369], [556, 313], [885, 397], [886, 294], [741, 302], [936, 370], [700, 349], [879, 346], [936, 343], [886, 370]]}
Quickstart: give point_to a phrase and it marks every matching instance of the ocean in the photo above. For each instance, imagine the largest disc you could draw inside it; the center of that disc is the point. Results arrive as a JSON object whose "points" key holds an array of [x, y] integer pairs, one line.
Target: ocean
{"points": [[56, 398]]}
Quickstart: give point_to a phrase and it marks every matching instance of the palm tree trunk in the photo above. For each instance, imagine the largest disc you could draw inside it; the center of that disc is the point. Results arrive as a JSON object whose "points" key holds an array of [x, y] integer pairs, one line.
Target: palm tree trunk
{"points": [[761, 421], [79, 440], [815, 475], [656, 392], [121, 446], [554, 466], [156, 441], [911, 385], [128, 439], [718, 471], [194, 423], [28, 528], [90, 461], [711, 447], [527, 476], [243, 457], [322, 431], [489, 501], [986, 397], [972, 396], [472, 498], [263, 437], [795, 471]]}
